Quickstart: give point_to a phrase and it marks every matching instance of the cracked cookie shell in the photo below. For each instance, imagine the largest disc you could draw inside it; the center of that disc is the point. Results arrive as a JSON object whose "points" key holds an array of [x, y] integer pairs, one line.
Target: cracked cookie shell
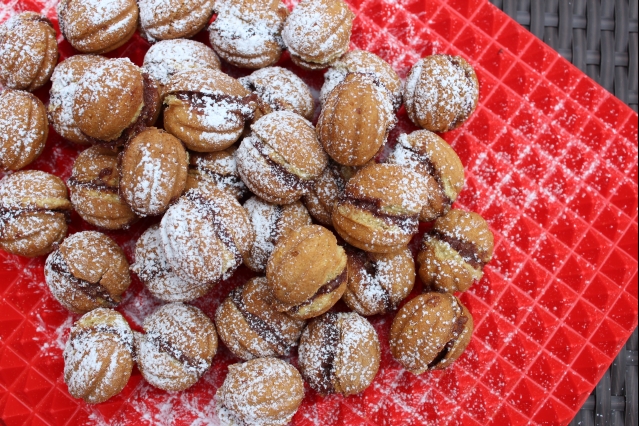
{"points": [[307, 272], [281, 158], [34, 210], [355, 120], [94, 186], [97, 26], [206, 109], [339, 353], [263, 391], [28, 51], [432, 157], [206, 235], [455, 251], [246, 33], [177, 347], [251, 327], [379, 209], [272, 222], [153, 169], [24, 129], [318, 32], [87, 271], [430, 332], [441, 92], [99, 355], [377, 283]]}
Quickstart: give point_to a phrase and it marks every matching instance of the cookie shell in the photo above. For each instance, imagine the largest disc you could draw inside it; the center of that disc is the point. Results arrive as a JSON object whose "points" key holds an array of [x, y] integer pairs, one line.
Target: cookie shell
{"points": [[97, 26], [87, 271], [28, 51], [24, 129], [171, 19], [217, 169], [441, 92], [34, 208], [153, 170], [157, 275], [98, 356], [260, 392], [177, 347], [327, 190]]}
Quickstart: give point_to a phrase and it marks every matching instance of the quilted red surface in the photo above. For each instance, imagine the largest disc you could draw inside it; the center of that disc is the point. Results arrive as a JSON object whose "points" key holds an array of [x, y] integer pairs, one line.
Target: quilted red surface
{"points": [[551, 161]]}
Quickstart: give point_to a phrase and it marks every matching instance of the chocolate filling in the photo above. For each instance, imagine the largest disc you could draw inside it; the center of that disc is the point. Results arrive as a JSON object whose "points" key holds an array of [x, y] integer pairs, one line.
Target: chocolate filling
{"points": [[466, 249], [327, 352], [105, 328], [196, 365], [460, 323], [280, 171], [337, 176], [279, 211], [40, 18], [151, 98], [96, 184], [242, 106], [408, 224], [364, 262], [258, 325], [433, 171], [216, 177], [206, 206], [325, 289], [93, 291], [468, 109]]}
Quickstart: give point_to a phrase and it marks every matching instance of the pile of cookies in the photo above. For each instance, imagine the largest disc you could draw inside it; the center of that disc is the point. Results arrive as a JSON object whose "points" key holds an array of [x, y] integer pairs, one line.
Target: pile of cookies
{"points": [[237, 174]]}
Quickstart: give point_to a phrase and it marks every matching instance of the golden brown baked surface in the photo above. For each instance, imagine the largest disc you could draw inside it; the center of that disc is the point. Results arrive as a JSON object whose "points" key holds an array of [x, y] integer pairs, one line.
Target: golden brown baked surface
{"points": [[171, 19], [28, 51]]}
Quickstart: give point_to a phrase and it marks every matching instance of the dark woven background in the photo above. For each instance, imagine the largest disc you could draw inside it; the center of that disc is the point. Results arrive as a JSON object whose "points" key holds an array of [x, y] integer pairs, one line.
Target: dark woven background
{"points": [[600, 38]]}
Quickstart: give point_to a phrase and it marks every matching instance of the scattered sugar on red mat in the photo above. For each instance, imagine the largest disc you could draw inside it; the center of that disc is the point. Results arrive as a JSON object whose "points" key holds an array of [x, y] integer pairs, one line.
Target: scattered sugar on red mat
{"points": [[551, 161]]}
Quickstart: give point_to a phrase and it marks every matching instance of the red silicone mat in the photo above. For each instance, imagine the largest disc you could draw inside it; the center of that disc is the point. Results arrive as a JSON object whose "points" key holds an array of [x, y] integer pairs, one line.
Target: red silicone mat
{"points": [[551, 162]]}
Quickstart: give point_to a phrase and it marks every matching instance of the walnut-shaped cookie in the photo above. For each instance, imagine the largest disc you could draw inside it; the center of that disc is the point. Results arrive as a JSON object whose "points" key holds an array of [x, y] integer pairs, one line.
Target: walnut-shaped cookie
{"points": [[307, 272], [251, 327], [263, 391], [218, 169], [364, 62], [279, 89], [97, 26], [378, 282], [272, 222], [34, 209], [28, 51], [246, 33], [281, 158], [206, 109], [318, 32], [339, 353], [177, 347], [24, 129], [169, 57], [430, 332], [380, 208], [87, 271], [94, 186], [355, 120], [114, 100], [99, 355], [170, 19], [441, 92], [153, 169], [206, 235], [158, 276], [65, 79], [455, 251], [327, 190], [431, 156]]}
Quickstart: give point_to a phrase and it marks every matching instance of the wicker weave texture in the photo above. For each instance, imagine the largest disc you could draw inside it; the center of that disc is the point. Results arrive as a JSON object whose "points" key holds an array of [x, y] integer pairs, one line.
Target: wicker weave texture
{"points": [[597, 36]]}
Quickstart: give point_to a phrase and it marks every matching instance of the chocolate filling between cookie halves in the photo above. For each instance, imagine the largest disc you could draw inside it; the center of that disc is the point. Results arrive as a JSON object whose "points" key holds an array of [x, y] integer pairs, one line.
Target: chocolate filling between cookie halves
{"points": [[325, 289], [460, 324], [328, 351], [104, 328], [467, 250], [369, 267], [427, 162], [408, 224], [196, 366], [280, 171], [258, 325], [94, 291], [238, 105]]}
